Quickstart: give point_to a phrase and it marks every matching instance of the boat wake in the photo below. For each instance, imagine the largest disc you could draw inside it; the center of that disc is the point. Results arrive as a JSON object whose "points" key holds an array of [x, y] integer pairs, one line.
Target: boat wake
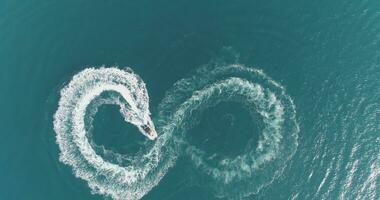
{"points": [[131, 177], [247, 173], [72, 123]]}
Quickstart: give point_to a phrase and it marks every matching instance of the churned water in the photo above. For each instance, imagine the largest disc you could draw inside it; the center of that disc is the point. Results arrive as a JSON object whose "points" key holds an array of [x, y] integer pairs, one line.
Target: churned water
{"points": [[249, 99]]}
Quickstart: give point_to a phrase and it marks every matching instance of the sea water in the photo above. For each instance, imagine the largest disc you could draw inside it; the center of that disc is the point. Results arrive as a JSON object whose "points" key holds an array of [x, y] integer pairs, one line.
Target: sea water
{"points": [[250, 99]]}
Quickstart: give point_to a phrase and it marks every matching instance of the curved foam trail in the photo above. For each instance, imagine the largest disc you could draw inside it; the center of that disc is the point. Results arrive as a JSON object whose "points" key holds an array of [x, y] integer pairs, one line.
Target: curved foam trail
{"points": [[245, 174], [119, 182], [233, 178]]}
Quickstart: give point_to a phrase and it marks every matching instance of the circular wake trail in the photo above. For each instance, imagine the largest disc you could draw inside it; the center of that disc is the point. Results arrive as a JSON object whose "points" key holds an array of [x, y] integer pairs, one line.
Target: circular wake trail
{"points": [[247, 173], [118, 181]]}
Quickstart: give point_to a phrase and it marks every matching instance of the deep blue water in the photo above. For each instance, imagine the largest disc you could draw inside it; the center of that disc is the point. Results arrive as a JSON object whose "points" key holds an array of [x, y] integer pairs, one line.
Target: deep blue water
{"points": [[326, 54]]}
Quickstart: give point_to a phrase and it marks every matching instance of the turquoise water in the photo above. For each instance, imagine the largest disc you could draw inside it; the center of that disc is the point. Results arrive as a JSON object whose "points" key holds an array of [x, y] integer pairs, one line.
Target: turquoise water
{"points": [[319, 59]]}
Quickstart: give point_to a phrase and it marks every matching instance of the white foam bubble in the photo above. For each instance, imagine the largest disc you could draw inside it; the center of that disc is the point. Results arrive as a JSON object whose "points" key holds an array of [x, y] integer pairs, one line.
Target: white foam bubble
{"points": [[240, 176], [249, 172], [110, 179]]}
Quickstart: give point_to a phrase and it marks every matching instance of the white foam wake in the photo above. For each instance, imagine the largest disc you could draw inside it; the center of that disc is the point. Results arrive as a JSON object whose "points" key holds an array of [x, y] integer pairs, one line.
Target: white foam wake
{"points": [[233, 178], [119, 182], [247, 173]]}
